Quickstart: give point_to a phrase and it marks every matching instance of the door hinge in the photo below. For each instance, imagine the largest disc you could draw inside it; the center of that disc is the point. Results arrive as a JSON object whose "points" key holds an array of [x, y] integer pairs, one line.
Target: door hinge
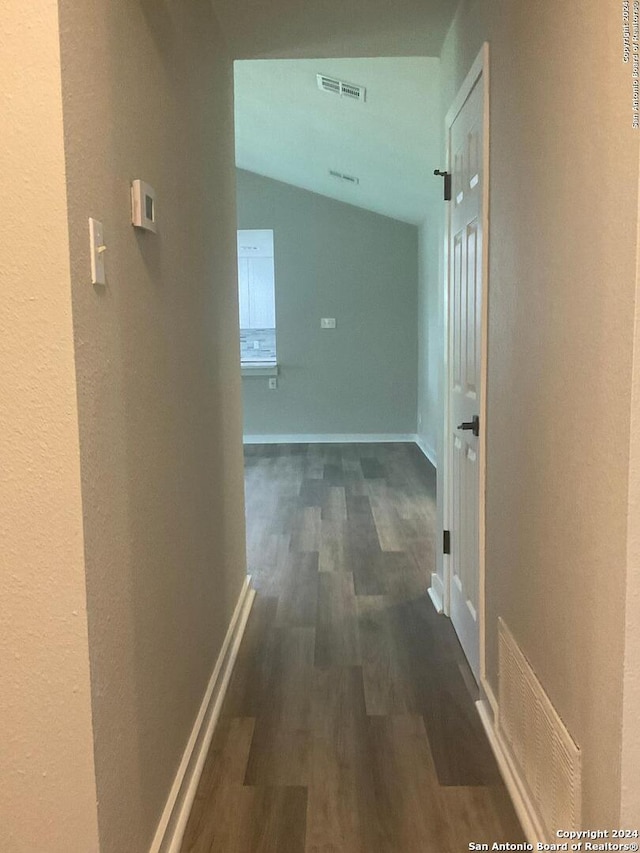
{"points": [[446, 541], [447, 183]]}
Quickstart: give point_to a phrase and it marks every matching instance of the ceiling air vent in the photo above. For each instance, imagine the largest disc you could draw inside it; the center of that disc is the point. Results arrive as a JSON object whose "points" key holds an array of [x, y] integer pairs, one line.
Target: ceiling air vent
{"points": [[339, 87], [349, 179]]}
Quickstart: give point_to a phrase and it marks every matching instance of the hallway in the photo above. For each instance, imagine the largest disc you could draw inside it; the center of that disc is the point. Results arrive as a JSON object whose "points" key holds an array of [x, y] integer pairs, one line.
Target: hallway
{"points": [[349, 723]]}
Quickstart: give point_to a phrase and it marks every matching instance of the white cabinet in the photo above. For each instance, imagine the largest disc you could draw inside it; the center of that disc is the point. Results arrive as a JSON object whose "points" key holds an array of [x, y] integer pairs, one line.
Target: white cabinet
{"points": [[256, 292], [243, 293], [262, 305], [256, 280]]}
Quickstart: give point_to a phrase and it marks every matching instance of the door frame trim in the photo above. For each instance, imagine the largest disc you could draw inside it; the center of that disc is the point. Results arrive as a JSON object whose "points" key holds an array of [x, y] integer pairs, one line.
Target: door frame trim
{"points": [[480, 68]]}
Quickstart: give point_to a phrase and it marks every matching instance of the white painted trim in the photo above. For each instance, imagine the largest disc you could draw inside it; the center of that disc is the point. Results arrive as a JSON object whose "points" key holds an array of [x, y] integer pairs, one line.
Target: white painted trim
{"points": [[436, 592], [484, 371], [479, 65], [332, 438], [428, 451], [479, 68], [445, 446], [486, 691], [525, 809], [173, 822], [259, 369]]}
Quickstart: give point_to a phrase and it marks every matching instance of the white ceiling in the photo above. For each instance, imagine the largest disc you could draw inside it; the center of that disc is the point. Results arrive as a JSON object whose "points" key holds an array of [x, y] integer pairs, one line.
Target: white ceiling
{"points": [[289, 130], [282, 29]]}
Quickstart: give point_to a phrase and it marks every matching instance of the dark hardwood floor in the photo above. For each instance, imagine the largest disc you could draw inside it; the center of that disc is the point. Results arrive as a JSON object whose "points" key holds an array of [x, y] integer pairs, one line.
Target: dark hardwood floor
{"points": [[349, 724]]}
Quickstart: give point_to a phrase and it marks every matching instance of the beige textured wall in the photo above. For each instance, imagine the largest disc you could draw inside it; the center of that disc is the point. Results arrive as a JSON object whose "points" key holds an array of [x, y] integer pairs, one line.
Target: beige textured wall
{"points": [[47, 784], [147, 89], [630, 789], [564, 166]]}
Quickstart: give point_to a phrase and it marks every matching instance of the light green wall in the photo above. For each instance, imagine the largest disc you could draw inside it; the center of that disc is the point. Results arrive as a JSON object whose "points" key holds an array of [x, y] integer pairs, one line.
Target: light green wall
{"points": [[335, 260], [431, 331]]}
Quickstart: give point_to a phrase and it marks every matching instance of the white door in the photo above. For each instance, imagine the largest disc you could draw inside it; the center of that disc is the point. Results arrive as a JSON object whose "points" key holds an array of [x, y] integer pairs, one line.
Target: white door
{"points": [[465, 347]]}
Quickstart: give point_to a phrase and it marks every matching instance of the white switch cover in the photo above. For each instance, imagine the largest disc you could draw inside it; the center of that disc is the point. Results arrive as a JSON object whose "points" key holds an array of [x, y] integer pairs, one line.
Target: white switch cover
{"points": [[273, 383], [97, 250], [328, 323]]}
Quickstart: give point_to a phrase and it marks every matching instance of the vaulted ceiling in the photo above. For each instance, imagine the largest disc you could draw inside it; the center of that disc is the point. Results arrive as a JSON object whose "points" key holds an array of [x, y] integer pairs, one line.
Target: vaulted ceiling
{"points": [[289, 130]]}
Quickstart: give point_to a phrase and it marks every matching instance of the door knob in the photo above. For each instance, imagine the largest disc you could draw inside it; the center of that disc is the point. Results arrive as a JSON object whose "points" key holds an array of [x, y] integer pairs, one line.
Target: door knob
{"points": [[473, 425]]}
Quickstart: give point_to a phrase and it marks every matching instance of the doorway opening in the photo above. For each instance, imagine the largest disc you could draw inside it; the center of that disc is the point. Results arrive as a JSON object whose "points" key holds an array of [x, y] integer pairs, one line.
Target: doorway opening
{"points": [[354, 280]]}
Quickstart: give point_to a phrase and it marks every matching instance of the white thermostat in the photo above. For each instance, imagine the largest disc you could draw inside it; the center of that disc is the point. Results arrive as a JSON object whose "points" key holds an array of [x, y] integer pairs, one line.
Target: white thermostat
{"points": [[143, 205]]}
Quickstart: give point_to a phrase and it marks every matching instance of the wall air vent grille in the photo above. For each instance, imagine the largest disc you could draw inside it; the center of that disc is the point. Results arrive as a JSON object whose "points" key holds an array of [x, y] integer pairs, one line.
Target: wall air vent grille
{"points": [[547, 759], [349, 179], [339, 87]]}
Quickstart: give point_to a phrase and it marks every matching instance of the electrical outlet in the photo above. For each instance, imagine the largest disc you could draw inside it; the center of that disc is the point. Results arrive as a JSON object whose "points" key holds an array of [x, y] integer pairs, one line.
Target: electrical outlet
{"points": [[328, 323], [273, 383], [256, 344]]}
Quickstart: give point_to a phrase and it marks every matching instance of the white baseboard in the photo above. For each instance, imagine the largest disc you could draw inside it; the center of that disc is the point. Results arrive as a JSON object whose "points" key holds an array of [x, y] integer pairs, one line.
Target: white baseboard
{"points": [[332, 438], [170, 831], [524, 807], [486, 691], [428, 451], [436, 592]]}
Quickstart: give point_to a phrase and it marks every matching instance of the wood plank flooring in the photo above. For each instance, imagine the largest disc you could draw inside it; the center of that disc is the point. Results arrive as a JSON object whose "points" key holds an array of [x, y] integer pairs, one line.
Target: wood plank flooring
{"points": [[349, 724]]}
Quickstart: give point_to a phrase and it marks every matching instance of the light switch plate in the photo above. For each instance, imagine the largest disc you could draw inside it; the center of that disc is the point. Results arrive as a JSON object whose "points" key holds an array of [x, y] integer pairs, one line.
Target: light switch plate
{"points": [[273, 383], [96, 251], [328, 323]]}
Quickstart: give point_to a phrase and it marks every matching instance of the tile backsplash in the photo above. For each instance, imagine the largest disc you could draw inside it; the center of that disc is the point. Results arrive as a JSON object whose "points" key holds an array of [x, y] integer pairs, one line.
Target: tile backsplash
{"points": [[258, 345]]}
